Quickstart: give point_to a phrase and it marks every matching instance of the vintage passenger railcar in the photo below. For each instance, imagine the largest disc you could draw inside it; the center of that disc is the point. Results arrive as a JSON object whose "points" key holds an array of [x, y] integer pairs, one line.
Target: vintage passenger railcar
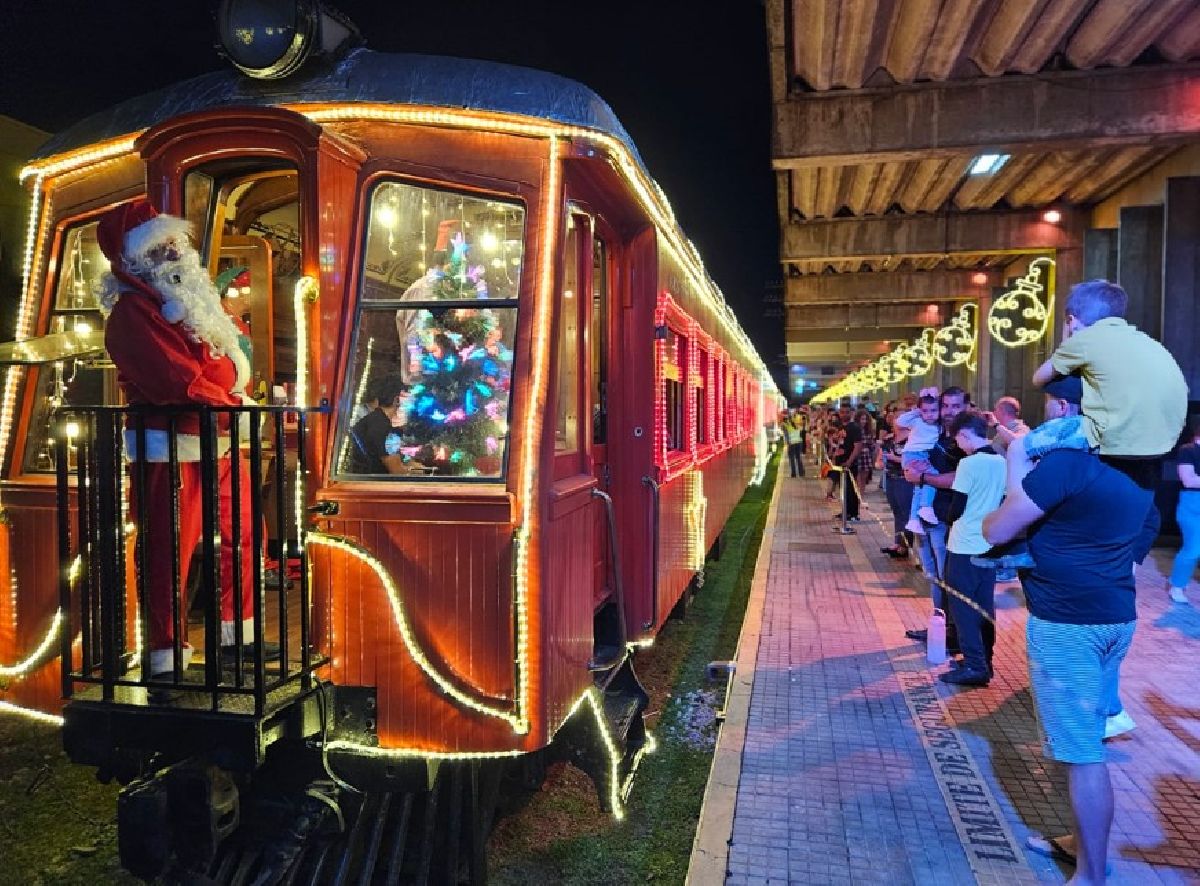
{"points": [[584, 413]]}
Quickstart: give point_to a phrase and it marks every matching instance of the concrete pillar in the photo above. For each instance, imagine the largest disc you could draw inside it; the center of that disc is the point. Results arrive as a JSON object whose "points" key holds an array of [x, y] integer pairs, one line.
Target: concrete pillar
{"points": [[1139, 265], [1181, 278], [1100, 254], [985, 350]]}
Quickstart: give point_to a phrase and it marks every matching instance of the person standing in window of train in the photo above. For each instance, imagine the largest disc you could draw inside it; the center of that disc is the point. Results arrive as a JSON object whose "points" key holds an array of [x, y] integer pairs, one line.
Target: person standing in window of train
{"points": [[377, 438], [174, 345]]}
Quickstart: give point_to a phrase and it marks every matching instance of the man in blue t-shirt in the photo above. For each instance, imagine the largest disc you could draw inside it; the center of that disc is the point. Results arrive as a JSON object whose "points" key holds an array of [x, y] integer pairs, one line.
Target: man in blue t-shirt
{"points": [[1083, 518]]}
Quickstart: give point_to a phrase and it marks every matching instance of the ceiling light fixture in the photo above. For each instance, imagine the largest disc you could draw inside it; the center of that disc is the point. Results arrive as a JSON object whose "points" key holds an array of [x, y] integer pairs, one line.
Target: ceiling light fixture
{"points": [[986, 164]]}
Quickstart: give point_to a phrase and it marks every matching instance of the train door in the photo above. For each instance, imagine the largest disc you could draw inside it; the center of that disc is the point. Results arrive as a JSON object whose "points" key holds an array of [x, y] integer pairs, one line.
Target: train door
{"points": [[583, 342], [598, 338], [248, 213]]}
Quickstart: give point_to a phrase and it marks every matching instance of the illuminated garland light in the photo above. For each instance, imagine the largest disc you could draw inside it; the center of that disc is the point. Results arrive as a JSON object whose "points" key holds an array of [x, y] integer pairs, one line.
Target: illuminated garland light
{"points": [[920, 354], [1021, 316], [21, 668], [363, 750], [81, 158], [618, 791], [8, 707], [695, 511], [405, 628]]}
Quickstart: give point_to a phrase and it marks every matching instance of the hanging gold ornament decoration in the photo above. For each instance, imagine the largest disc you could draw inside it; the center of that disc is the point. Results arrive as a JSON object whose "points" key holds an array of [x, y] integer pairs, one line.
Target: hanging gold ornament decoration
{"points": [[1020, 316], [954, 345], [919, 354]]}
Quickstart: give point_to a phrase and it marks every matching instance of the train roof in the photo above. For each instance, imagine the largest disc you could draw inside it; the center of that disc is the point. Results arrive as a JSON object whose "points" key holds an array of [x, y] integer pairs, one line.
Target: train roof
{"points": [[362, 75], [368, 77]]}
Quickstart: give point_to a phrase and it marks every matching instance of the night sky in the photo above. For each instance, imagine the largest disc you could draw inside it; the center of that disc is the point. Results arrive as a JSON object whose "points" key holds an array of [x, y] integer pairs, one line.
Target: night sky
{"points": [[687, 78]]}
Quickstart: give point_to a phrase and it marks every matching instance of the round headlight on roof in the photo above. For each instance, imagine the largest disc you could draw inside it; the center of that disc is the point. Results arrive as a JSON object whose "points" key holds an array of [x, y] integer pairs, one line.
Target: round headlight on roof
{"points": [[268, 39]]}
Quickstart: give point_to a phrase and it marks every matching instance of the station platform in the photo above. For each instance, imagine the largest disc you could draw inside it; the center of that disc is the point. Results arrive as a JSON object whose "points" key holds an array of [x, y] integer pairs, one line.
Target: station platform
{"points": [[843, 759]]}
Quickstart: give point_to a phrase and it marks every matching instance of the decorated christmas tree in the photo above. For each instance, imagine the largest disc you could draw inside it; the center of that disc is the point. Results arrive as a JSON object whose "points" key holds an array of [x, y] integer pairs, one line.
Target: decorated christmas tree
{"points": [[461, 371]]}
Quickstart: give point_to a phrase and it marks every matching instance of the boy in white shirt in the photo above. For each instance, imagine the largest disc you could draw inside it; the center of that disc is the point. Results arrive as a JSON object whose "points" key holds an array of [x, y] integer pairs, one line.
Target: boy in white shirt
{"points": [[981, 477], [923, 432]]}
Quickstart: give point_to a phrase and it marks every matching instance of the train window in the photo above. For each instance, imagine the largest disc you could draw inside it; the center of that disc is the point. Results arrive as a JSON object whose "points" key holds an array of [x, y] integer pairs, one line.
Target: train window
{"points": [[428, 388], [246, 216], [73, 380], [431, 245], [700, 393], [598, 338], [566, 426], [675, 429], [719, 399]]}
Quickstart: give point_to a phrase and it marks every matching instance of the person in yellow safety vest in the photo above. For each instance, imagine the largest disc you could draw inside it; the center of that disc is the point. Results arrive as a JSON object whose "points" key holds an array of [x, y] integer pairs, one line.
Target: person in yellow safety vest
{"points": [[793, 434]]}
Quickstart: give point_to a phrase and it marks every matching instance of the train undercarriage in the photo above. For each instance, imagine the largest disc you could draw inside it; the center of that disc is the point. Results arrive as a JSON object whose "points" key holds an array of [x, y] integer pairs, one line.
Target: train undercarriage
{"points": [[298, 795]]}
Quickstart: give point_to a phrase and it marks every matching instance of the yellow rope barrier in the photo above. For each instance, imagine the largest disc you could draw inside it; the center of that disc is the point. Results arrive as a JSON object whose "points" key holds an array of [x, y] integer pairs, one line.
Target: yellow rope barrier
{"points": [[936, 580]]}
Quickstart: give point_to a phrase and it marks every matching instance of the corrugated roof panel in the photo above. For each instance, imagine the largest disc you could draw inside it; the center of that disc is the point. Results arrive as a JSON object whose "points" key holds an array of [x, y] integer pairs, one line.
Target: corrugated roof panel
{"points": [[814, 35], [912, 27], [828, 182], [918, 180], [1162, 16], [955, 24], [1012, 20], [985, 191], [804, 191], [840, 43], [1182, 42], [884, 194], [857, 25], [860, 187], [1045, 181]]}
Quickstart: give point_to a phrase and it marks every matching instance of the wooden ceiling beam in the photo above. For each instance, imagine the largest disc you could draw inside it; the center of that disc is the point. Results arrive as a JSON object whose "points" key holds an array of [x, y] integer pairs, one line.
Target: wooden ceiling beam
{"points": [[1067, 110], [941, 235], [886, 287]]}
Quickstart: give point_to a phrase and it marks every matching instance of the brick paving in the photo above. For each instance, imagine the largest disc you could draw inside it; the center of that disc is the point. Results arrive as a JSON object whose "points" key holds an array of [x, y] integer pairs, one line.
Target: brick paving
{"points": [[846, 723]]}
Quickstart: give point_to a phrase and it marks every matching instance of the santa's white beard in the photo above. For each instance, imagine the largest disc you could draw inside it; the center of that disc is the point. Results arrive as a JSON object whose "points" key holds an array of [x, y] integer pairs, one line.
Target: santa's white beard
{"points": [[191, 299]]}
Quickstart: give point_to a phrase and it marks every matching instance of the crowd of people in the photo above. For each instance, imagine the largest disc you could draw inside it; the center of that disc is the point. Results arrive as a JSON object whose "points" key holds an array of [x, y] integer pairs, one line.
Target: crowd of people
{"points": [[1069, 505]]}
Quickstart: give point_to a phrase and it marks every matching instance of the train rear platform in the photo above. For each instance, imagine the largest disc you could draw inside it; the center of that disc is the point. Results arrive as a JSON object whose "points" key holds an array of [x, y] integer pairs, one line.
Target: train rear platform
{"points": [[843, 759]]}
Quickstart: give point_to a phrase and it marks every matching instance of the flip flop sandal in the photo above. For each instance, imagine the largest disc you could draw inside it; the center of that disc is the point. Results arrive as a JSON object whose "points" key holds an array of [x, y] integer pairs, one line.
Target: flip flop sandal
{"points": [[1052, 848]]}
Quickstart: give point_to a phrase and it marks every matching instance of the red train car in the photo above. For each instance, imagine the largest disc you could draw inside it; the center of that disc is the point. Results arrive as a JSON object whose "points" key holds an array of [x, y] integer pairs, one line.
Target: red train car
{"points": [[583, 412]]}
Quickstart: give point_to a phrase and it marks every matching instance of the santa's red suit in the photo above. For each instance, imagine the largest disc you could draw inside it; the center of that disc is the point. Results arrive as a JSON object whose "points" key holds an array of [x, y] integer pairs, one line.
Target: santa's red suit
{"points": [[163, 363]]}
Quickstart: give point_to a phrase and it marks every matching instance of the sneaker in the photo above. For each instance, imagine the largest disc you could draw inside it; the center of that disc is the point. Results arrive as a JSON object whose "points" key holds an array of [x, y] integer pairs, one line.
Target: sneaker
{"points": [[963, 676], [1118, 724], [926, 513], [1178, 595], [915, 526]]}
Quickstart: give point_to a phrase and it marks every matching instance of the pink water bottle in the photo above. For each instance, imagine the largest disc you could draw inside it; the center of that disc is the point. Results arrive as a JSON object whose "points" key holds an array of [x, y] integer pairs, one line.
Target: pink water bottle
{"points": [[935, 649]]}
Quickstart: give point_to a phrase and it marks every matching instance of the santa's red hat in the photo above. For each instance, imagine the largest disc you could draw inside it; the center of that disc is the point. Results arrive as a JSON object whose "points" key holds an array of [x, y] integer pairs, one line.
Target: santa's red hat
{"points": [[128, 231]]}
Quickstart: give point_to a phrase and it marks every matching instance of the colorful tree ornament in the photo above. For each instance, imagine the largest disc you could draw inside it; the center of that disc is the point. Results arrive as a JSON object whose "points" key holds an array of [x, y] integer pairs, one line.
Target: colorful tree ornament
{"points": [[463, 372]]}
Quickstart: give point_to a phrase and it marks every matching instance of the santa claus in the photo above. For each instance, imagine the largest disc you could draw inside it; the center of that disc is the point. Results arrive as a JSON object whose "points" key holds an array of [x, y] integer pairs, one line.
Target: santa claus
{"points": [[174, 345]]}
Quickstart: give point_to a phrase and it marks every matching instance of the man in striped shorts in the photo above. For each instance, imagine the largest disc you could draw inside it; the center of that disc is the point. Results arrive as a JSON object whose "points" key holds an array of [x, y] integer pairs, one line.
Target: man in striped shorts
{"points": [[1083, 517]]}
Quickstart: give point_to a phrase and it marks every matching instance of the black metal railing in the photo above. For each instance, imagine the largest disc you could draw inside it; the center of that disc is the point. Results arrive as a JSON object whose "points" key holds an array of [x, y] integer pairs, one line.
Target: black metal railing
{"points": [[104, 458]]}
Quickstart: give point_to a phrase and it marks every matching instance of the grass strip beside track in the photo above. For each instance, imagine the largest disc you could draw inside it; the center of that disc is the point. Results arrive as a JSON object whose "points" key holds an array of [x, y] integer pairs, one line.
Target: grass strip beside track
{"points": [[561, 836]]}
